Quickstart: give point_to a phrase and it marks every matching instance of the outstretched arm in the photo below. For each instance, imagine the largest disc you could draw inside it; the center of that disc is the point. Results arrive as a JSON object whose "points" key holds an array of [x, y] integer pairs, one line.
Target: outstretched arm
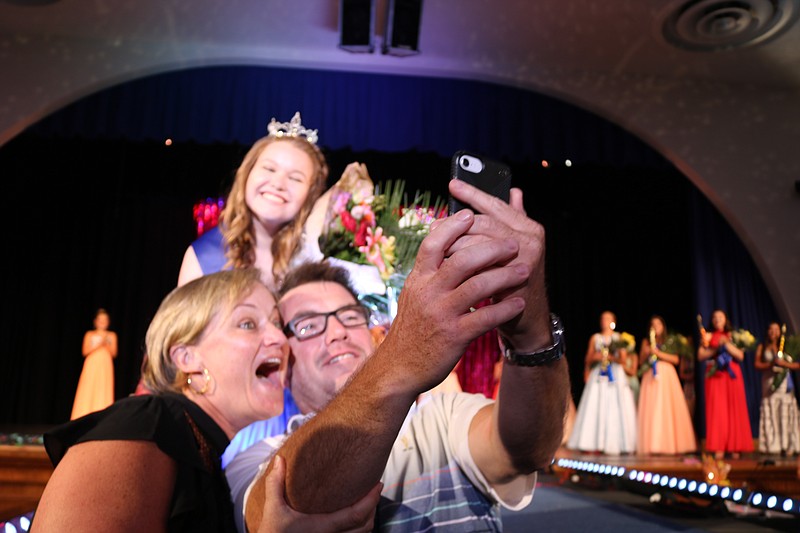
{"points": [[340, 454], [521, 432]]}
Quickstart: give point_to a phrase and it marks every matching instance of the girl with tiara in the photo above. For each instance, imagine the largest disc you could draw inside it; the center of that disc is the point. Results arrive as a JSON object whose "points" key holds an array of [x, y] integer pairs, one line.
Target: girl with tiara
{"points": [[263, 225]]}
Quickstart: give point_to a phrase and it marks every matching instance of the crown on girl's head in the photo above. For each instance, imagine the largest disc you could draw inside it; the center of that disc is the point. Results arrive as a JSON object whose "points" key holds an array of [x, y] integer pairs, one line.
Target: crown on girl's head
{"points": [[293, 128]]}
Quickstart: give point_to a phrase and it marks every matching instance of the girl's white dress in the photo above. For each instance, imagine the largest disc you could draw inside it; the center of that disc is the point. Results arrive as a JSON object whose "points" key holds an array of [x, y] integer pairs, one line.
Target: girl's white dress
{"points": [[606, 416]]}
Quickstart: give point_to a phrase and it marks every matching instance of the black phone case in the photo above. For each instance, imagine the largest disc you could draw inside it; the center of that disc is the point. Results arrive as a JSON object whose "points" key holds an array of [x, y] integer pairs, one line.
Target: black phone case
{"points": [[494, 178]]}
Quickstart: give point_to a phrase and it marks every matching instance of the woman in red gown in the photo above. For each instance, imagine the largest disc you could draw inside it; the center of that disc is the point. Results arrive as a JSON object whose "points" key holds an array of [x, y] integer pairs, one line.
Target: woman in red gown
{"points": [[727, 419]]}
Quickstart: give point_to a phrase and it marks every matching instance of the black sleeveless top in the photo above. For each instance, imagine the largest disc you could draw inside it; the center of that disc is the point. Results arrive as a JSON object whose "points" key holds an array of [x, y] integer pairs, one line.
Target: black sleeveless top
{"points": [[182, 430]]}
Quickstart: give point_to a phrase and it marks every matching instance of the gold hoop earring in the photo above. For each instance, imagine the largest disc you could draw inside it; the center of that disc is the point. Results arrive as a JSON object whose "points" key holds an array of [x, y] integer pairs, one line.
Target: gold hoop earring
{"points": [[202, 391]]}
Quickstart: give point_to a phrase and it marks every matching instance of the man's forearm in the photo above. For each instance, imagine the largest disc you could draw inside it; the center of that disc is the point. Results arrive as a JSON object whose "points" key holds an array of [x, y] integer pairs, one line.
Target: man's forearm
{"points": [[524, 428], [531, 411], [339, 455]]}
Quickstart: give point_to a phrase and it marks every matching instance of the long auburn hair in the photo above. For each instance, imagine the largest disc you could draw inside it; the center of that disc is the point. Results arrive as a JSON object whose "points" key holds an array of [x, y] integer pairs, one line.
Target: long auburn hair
{"points": [[236, 220]]}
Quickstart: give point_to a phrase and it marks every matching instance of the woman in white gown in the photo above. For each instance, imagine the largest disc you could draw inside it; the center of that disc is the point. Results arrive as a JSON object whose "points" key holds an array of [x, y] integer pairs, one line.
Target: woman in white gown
{"points": [[606, 418]]}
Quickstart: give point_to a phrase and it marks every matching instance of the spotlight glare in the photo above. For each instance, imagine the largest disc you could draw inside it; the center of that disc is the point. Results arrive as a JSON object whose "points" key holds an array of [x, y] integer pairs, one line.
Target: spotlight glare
{"points": [[757, 498], [545, 164], [788, 504], [664, 481], [9, 528], [25, 523], [725, 492], [647, 477], [713, 489], [656, 479], [692, 486], [621, 471], [640, 476], [702, 488], [682, 484], [632, 475], [772, 501], [568, 162], [673, 482], [737, 495], [614, 470]]}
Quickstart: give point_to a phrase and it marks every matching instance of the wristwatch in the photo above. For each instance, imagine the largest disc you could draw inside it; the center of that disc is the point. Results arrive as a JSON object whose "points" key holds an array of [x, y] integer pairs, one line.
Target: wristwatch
{"points": [[546, 355]]}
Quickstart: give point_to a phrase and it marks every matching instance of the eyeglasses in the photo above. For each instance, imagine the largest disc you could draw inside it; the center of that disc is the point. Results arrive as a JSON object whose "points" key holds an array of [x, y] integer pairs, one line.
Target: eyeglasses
{"points": [[310, 326]]}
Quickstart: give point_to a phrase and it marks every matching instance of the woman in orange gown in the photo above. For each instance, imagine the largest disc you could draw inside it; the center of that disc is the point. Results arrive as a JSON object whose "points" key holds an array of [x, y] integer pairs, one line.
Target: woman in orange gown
{"points": [[96, 384], [664, 425], [727, 418]]}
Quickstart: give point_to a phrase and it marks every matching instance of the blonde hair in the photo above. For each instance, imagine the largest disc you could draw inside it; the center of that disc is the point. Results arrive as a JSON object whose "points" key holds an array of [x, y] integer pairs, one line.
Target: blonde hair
{"points": [[236, 221], [183, 317]]}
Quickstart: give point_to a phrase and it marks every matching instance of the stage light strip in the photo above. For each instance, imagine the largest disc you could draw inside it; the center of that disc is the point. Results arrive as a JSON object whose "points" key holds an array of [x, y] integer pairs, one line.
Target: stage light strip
{"points": [[736, 495]]}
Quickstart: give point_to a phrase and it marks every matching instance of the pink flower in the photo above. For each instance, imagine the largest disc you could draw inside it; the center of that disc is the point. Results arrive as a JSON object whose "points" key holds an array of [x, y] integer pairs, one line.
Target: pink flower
{"points": [[379, 250], [340, 203]]}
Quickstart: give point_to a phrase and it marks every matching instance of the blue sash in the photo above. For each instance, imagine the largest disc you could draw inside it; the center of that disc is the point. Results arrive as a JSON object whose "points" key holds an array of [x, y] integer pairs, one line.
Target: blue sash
{"points": [[210, 251]]}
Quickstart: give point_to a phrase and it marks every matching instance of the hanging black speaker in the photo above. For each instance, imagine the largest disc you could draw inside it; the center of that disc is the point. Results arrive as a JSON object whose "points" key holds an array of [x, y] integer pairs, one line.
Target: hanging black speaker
{"points": [[356, 25], [402, 27]]}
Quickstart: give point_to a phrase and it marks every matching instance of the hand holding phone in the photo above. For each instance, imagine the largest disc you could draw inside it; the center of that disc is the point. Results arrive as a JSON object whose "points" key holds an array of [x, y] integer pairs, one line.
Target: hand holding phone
{"points": [[484, 173]]}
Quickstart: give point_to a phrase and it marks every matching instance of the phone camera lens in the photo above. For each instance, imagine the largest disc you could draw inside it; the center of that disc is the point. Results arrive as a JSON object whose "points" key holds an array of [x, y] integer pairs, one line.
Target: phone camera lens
{"points": [[464, 162]]}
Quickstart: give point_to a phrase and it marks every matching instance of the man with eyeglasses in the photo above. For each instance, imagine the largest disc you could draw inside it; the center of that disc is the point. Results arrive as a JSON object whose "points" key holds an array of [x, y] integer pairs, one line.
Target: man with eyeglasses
{"points": [[451, 463]]}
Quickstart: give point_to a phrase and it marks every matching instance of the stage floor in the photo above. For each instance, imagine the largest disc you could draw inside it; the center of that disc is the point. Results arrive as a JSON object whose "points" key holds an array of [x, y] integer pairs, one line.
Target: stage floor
{"points": [[762, 472], [25, 469]]}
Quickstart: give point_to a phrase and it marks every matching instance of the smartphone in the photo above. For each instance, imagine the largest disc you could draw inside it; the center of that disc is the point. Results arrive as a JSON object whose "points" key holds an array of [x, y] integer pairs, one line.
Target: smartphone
{"points": [[488, 175]]}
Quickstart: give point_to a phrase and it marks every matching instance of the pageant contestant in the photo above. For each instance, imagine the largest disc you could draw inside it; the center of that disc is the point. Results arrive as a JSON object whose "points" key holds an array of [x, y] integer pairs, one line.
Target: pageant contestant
{"points": [[664, 423], [779, 429], [606, 417], [727, 419]]}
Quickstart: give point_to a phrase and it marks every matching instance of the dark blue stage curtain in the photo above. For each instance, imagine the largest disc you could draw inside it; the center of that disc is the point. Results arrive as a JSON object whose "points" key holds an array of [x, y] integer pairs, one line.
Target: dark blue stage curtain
{"points": [[401, 114], [351, 110], [726, 278]]}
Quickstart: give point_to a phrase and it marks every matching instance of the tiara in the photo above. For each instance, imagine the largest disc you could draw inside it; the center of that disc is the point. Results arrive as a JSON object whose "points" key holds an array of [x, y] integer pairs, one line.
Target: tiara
{"points": [[293, 128]]}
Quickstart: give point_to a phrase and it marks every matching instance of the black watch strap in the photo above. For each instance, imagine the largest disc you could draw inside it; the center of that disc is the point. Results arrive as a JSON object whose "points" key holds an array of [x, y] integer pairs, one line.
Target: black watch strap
{"points": [[546, 355]]}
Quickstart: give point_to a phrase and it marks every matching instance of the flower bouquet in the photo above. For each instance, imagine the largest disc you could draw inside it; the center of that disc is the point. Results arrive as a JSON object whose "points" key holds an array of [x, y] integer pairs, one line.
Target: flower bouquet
{"points": [[787, 347], [618, 341], [675, 343], [742, 339], [377, 225], [792, 346], [624, 341], [679, 345]]}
